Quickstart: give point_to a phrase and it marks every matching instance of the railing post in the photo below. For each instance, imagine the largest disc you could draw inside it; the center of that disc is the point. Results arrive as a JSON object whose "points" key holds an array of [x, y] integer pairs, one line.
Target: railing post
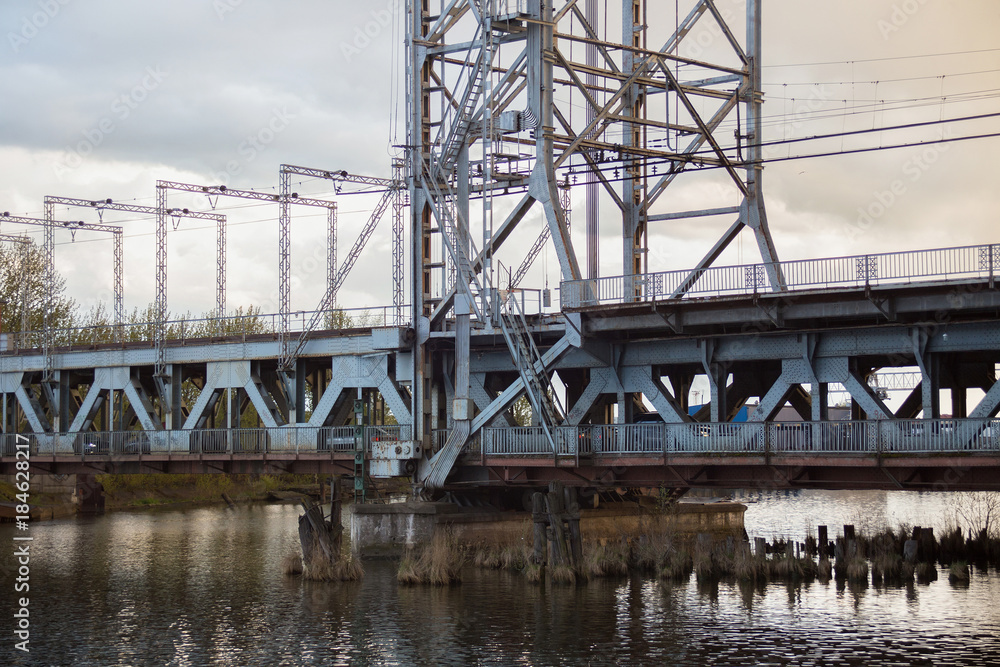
{"points": [[989, 252]]}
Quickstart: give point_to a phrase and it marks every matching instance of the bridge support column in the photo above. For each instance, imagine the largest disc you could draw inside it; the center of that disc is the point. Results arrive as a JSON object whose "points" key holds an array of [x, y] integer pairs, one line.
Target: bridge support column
{"points": [[681, 384], [930, 372], [718, 375], [297, 410], [173, 416], [959, 402], [820, 396], [61, 417], [582, 406]]}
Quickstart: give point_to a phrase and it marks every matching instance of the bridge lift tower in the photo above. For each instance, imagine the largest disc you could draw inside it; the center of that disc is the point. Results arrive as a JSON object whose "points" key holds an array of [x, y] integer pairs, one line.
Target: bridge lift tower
{"points": [[494, 91]]}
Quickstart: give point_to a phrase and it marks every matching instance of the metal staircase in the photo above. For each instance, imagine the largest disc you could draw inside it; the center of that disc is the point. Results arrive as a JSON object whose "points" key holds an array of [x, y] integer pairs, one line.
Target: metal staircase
{"points": [[528, 359], [479, 64]]}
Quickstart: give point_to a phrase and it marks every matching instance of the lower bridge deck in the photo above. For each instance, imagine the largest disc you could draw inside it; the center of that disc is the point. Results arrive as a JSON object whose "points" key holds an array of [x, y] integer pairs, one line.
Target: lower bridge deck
{"points": [[945, 454]]}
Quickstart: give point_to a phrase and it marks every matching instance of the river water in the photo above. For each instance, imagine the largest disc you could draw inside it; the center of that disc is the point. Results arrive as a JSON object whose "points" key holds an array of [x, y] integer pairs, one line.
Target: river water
{"points": [[203, 587]]}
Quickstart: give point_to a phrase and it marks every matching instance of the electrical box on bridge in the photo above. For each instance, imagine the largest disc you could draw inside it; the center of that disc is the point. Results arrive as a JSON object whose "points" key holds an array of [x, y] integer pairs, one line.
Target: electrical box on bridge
{"points": [[393, 458]]}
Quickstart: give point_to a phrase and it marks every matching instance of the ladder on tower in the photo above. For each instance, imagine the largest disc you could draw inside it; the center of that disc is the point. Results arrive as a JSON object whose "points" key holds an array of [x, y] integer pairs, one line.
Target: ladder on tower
{"points": [[463, 121], [529, 363], [479, 65]]}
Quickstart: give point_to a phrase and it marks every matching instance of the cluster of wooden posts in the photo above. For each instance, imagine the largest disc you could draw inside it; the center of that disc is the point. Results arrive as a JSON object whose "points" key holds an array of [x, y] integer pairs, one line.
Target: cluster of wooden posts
{"points": [[319, 532], [893, 557], [556, 515]]}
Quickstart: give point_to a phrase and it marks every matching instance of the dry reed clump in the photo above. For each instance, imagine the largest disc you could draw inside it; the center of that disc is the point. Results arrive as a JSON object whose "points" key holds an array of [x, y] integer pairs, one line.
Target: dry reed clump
{"points": [[562, 574], [704, 567], [728, 558], [347, 568], [951, 546], [787, 568], [959, 572], [926, 572], [651, 550], [884, 542], [438, 563], [857, 571], [743, 564], [291, 565], [825, 569], [408, 573], [508, 557], [606, 560], [885, 568], [534, 572], [677, 566]]}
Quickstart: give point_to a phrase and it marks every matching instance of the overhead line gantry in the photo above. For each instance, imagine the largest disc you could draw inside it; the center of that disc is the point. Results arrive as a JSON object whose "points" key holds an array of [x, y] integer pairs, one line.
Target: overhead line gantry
{"points": [[102, 205]]}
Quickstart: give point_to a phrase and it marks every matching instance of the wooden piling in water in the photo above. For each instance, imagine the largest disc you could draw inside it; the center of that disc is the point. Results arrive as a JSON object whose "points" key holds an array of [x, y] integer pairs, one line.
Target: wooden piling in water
{"points": [[760, 546], [336, 514], [560, 548], [573, 523], [540, 517], [928, 546], [315, 531]]}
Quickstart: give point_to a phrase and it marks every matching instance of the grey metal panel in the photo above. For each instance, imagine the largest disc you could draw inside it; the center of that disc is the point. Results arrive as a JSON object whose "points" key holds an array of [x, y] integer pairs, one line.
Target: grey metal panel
{"points": [[388, 338], [201, 352]]}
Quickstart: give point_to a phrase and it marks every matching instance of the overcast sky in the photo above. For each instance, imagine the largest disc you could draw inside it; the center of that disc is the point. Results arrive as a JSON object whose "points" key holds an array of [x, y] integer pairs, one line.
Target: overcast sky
{"points": [[103, 97]]}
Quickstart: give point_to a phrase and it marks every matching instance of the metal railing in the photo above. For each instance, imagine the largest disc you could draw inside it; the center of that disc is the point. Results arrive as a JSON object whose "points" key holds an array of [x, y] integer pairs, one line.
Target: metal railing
{"points": [[882, 437], [289, 439], [833, 437], [187, 329], [898, 268]]}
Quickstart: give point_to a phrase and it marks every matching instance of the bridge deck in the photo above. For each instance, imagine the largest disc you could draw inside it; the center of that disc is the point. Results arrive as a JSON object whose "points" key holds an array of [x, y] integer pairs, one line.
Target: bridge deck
{"points": [[902, 454]]}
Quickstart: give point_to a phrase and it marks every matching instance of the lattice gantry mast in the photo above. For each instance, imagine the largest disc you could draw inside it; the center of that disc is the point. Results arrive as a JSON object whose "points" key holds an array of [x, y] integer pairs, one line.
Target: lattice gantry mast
{"points": [[163, 212], [393, 193], [491, 90], [102, 205], [49, 225], [23, 259]]}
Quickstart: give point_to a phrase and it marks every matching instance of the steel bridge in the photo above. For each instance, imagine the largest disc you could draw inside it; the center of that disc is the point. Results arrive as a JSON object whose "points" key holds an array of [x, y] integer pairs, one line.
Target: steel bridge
{"points": [[430, 389]]}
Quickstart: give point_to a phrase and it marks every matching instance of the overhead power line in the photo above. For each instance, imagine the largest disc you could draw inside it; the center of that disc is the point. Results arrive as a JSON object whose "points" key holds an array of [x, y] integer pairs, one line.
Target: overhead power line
{"points": [[887, 58]]}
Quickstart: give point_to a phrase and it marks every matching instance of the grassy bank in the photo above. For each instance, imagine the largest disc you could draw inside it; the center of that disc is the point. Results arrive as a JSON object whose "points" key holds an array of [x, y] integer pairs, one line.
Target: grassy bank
{"points": [[129, 491]]}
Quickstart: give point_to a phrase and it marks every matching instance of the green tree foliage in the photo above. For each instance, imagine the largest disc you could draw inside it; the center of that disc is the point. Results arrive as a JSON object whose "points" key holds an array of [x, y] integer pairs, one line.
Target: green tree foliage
{"points": [[22, 290], [340, 319], [98, 325], [522, 411]]}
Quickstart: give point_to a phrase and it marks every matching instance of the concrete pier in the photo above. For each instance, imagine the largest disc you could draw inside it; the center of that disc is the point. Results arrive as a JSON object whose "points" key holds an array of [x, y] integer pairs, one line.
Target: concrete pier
{"points": [[386, 530]]}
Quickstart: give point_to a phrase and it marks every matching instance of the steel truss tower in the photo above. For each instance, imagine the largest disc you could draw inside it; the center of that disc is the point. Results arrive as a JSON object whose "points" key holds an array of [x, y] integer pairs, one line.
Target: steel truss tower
{"points": [[492, 86]]}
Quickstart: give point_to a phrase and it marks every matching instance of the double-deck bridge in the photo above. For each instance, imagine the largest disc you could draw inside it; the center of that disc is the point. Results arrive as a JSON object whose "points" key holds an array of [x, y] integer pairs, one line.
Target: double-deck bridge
{"points": [[434, 390], [782, 348]]}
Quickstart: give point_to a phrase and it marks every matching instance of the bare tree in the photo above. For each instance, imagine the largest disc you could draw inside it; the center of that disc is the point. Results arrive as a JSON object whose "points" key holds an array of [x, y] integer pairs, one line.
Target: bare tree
{"points": [[978, 512]]}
